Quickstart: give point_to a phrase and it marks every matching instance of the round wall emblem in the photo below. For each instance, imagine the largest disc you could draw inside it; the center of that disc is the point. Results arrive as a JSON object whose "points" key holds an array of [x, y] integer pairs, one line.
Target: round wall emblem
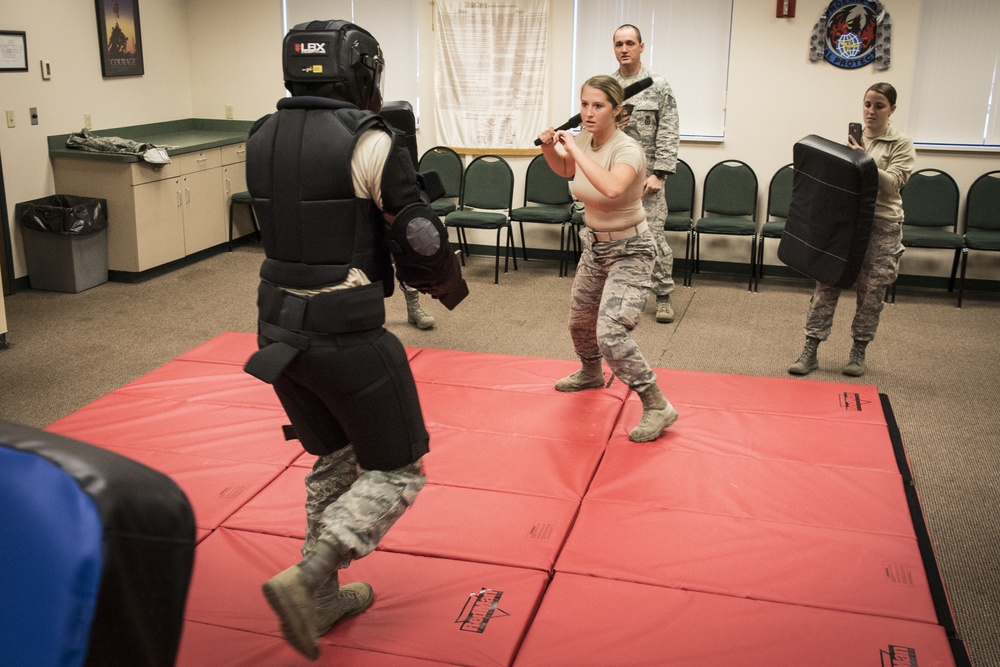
{"points": [[850, 33]]}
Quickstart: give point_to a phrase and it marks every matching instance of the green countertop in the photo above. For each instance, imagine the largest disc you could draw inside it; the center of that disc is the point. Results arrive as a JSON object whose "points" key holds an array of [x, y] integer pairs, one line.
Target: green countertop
{"points": [[179, 136]]}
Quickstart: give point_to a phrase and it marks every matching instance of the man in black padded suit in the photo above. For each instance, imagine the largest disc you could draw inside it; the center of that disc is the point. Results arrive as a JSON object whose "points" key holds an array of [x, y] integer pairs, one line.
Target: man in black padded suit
{"points": [[339, 202]]}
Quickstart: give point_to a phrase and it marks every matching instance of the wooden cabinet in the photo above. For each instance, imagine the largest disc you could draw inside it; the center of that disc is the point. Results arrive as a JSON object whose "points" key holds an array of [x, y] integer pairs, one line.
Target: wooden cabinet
{"points": [[158, 213], [202, 212]]}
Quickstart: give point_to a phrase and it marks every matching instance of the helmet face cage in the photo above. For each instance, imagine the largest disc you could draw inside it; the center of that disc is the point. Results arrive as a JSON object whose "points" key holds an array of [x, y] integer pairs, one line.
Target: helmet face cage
{"points": [[336, 52]]}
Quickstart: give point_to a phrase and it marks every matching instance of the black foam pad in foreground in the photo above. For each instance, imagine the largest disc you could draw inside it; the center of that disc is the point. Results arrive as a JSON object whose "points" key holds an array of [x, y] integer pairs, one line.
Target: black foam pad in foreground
{"points": [[148, 539]]}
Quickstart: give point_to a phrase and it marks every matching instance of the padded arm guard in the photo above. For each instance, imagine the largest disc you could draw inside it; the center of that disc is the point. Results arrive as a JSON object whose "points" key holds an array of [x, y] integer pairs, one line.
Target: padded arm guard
{"points": [[424, 259]]}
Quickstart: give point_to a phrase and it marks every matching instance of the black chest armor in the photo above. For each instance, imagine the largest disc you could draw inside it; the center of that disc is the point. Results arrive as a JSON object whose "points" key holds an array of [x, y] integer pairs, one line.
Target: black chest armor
{"points": [[314, 227]]}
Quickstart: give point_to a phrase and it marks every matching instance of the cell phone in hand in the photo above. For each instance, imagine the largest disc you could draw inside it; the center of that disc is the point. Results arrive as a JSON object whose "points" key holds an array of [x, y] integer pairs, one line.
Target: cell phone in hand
{"points": [[854, 130]]}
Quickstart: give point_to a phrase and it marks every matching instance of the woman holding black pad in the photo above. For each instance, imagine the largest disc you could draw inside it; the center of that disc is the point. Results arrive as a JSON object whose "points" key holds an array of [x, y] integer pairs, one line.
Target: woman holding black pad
{"points": [[894, 156]]}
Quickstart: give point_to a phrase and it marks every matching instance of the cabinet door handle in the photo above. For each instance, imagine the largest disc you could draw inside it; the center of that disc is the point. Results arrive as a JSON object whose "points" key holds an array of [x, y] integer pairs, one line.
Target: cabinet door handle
{"points": [[202, 159], [179, 202], [187, 195], [229, 186]]}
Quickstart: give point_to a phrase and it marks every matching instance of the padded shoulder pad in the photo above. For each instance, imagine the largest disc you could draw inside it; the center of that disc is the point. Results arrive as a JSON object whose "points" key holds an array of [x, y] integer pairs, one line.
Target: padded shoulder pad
{"points": [[256, 126], [400, 187], [357, 121]]}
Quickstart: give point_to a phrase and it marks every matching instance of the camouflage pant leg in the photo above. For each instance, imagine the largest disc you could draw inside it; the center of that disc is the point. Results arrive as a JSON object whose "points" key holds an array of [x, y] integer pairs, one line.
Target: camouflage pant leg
{"points": [[610, 290], [878, 271], [822, 307], [331, 476], [663, 268], [356, 522]]}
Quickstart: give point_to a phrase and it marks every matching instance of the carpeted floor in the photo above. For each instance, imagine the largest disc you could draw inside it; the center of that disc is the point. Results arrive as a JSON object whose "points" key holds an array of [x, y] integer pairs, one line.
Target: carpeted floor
{"points": [[937, 363]]}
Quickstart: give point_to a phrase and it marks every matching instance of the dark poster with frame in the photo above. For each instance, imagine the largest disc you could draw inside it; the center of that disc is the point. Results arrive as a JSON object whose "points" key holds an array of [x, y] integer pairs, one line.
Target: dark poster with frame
{"points": [[120, 37]]}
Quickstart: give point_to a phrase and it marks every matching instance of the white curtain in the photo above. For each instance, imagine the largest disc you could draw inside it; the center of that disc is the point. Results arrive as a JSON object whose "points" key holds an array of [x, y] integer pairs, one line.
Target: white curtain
{"points": [[490, 72], [956, 81], [687, 42]]}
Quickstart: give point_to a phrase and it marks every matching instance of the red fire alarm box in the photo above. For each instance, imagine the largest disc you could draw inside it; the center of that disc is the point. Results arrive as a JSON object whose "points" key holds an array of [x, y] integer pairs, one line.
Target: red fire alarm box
{"points": [[786, 9]]}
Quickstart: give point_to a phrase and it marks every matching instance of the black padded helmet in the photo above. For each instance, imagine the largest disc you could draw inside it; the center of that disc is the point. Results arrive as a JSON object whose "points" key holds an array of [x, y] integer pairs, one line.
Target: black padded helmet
{"points": [[338, 53]]}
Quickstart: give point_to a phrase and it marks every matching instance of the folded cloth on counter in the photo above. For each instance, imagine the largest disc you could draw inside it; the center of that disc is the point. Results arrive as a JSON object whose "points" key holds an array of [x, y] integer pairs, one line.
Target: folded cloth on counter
{"points": [[88, 141]]}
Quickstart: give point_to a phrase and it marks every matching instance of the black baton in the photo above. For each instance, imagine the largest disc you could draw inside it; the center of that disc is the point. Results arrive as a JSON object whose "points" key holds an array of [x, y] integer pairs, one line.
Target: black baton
{"points": [[630, 90]]}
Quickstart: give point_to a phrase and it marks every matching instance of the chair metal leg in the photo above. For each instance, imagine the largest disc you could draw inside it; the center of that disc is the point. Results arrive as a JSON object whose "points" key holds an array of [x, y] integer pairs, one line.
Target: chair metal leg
{"points": [[687, 259], [496, 268], [753, 262], [461, 246], [697, 253], [513, 247], [760, 264], [256, 223], [961, 281], [954, 269], [524, 246], [229, 246]]}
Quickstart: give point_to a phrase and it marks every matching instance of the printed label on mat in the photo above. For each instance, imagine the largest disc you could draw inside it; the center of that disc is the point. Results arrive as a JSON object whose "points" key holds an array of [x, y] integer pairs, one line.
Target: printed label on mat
{"points": [[853, 402], [899, 656], [542, 530], [898, 574], [479, 609]]}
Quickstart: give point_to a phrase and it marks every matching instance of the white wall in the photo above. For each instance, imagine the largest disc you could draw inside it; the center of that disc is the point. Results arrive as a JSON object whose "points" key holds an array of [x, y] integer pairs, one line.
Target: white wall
{"points": [[201, 56], [65, 33], [235, 48]]}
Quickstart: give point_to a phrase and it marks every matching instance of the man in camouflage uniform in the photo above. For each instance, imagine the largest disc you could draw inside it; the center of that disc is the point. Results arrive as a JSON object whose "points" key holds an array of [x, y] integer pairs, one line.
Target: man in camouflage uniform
{"points": [[655, 125]]}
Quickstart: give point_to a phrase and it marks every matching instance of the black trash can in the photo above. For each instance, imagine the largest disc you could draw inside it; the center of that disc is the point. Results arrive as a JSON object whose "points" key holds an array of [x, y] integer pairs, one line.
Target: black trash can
{"points": [[65, 241]]}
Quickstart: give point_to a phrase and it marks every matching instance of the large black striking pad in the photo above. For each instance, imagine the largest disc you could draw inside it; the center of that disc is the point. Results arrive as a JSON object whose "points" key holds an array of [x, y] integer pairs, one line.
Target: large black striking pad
{"points": [[831, 213]]}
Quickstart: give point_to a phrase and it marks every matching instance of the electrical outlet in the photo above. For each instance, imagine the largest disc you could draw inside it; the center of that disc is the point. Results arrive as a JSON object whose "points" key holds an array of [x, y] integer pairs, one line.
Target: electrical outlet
{"points": [[33, 112], [10, 118], [86, 122], [229, 112]]}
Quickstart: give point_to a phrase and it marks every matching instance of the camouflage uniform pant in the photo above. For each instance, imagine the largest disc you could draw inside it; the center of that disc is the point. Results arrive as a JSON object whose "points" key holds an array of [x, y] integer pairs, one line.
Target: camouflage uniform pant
{"points": [[663, 268], [352, 509], [878, 271], [610, 289]]}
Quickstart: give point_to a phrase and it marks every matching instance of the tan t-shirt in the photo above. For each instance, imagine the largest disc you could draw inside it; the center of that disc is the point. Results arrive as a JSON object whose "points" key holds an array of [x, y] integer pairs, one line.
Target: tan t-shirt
{"points": [[603, 214]]}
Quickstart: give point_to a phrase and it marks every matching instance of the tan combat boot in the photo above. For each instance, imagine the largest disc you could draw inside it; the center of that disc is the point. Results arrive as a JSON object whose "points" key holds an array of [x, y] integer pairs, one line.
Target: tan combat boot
{"points": [[807, 362], [292, 600], [590, 376], [334, 602], [664, 310], [657, 415], [856, 362], [416, 315]]}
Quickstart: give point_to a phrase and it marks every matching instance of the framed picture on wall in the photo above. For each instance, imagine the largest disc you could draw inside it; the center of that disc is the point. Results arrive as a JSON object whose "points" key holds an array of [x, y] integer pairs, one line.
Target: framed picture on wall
{"points": [[13, 51], [120, 37]]}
